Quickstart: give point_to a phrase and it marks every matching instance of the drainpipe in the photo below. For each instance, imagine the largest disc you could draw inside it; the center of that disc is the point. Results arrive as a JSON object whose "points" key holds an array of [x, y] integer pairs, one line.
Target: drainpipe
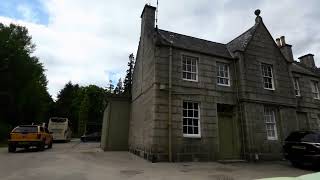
{"points": [[169, 104], [239, 107]]}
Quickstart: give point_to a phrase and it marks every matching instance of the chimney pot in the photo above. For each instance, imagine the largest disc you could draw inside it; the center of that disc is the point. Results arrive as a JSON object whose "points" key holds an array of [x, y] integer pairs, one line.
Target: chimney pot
{"points": [[285, 48], [278, 42], [283, 41]]}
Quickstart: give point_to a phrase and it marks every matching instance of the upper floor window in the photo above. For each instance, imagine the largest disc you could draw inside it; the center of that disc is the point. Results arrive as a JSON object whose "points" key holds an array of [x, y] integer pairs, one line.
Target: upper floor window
{"points": [[296, 86], [270, 121], [189, 68], [191, 119], [315, 89], [267, 75], [223, 75]]}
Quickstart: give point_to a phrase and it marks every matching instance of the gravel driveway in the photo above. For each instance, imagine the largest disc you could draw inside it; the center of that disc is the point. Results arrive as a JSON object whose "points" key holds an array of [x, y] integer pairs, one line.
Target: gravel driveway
{"points": [[85, 161]]}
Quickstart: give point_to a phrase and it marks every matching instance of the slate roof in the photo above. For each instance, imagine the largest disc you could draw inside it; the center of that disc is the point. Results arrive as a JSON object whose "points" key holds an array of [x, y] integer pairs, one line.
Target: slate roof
{"points": [[194, 44], [223, 50], [240, 43], [299, 68]]}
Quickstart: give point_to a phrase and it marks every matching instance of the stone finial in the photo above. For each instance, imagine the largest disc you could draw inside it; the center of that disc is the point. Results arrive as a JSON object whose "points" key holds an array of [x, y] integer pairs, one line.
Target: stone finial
{"points": [[257, 12]]}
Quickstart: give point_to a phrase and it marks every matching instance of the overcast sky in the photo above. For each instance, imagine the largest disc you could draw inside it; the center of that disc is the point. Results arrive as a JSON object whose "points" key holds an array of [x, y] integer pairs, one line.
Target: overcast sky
{"points": [[88, 42]]}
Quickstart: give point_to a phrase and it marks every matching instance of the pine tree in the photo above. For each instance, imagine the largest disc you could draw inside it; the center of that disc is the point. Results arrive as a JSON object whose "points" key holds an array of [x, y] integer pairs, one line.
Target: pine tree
{"points": [[128, 79], [110, 87], [119, 87]]}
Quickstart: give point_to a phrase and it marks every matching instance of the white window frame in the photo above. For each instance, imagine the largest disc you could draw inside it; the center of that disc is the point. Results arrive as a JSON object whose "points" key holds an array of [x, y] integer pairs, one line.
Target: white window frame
{"points": [[226, 72], [184, 70], [315, 89], [198, 135], [270, 119], [267, 76], [296, 86]]}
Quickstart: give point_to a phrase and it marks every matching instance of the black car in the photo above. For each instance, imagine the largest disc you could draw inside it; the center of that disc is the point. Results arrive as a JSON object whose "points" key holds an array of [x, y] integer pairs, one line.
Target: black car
{"points": [[96, 136], [303, 147]]}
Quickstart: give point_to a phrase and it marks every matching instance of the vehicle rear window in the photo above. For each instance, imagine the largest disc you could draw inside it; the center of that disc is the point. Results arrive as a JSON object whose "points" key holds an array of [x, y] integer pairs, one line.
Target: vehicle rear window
{"points": [[304, 137], [26, 129], [58, 120]]}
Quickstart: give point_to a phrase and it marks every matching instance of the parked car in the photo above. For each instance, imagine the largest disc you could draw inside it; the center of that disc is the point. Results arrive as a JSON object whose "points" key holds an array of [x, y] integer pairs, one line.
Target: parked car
{"points": [[27, 136], [303, 147], [96, 136]]}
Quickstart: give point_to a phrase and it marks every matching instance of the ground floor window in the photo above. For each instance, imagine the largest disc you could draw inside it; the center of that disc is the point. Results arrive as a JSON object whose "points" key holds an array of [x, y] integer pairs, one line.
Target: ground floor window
{"points": [[270, 121], [191, 119]]}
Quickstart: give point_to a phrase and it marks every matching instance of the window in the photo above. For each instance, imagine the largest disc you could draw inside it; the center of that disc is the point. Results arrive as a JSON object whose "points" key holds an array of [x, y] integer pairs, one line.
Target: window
{"points": [[270, 121], [223, 77], [296, 86], [267, 75], [315, 89], [191, 120], [189, 68]]}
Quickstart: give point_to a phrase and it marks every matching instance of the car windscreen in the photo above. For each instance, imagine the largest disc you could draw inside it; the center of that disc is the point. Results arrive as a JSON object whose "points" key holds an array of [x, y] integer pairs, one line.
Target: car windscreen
{"points": [[304, 137], [26, 129]]}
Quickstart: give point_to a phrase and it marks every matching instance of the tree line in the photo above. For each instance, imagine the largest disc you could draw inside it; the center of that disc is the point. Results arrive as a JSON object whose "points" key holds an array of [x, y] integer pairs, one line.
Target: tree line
{"points": [[24, 97]]}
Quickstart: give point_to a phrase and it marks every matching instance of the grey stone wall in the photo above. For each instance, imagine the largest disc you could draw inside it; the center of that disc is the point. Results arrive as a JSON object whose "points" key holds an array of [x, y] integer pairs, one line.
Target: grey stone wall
{"points": [[262, 49], [148, 134], [142, 110], [205, 91], [256, 139]]}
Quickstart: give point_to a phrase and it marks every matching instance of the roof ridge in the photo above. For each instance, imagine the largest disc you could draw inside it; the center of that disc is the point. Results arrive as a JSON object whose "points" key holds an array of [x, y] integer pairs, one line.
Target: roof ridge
{"points": [[311, 70], [192, 37]]}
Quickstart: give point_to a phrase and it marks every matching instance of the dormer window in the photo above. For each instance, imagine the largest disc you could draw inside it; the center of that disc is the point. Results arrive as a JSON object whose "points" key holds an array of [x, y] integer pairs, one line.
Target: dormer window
{"points": [[296, 86], [315, 89], [189, 68], [267, 75]]}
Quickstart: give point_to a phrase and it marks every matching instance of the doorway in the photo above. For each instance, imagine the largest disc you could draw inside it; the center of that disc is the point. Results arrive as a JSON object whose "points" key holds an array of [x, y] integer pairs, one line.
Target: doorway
{"points": [[229, 139]]}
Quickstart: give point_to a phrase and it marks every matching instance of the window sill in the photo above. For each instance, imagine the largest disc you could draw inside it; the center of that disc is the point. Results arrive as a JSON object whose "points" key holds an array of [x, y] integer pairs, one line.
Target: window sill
{"points": [[269, 89], [190, 80], [272, 139], [224, 85], [192, 136]]}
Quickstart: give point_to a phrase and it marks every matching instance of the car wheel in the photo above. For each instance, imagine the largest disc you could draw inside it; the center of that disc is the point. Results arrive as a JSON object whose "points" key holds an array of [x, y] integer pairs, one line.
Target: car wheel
{"points": [[50, 145], [296, 164], [41, 146], [11, 149]]}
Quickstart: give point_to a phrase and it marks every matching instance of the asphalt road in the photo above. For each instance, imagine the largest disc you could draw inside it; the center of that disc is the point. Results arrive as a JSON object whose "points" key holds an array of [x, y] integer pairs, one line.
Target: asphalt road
{"points": [[85, 161]]}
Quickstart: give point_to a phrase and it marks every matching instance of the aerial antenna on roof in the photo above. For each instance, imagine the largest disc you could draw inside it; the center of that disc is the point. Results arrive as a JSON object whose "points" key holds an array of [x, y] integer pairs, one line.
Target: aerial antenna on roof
{"points": [[157, 14]]}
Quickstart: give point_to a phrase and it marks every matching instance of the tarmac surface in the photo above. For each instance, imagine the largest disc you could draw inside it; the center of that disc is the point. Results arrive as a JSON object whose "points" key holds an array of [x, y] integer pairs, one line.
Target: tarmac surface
{"points": [[85, 161]]}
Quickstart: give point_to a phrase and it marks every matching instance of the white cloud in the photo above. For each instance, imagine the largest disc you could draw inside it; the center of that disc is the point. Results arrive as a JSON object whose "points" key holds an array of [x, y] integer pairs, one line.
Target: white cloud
{"points": [[88, 42]]}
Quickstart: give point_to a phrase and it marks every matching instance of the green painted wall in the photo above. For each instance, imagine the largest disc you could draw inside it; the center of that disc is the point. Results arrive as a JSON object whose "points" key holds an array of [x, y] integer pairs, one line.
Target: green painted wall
{"points": [[115, 126]]}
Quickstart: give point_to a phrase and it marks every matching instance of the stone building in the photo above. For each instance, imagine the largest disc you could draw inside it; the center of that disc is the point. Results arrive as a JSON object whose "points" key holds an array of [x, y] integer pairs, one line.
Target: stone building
{"points": [[198, 100]]}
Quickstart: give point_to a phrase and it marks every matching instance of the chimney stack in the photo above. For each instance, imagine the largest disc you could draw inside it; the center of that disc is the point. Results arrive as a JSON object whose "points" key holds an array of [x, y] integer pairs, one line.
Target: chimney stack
{"points": [[147, 20], [307, 60], [285, 48]]}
